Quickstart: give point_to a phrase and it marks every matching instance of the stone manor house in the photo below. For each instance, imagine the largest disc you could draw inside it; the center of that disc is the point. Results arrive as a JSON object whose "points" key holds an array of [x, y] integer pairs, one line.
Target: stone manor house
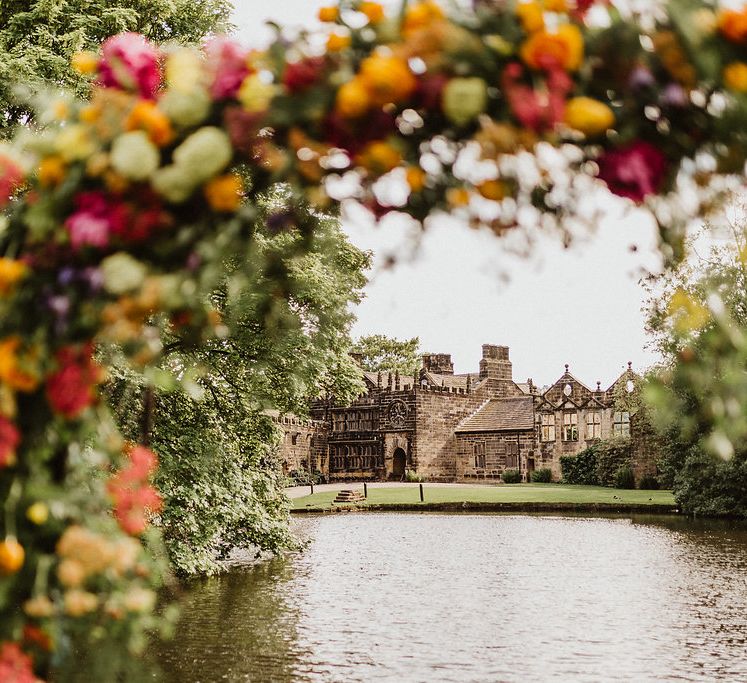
{"points": [[448, 427]]}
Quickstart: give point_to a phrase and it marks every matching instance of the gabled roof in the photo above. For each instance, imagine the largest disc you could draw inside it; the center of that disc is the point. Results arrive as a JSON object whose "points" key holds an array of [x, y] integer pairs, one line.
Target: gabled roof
{"points": [[501, 415], [450, 381]]}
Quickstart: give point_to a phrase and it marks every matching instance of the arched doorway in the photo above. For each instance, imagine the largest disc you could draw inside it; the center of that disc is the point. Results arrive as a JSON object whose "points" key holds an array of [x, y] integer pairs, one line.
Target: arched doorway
{"points": [[399, 462]]}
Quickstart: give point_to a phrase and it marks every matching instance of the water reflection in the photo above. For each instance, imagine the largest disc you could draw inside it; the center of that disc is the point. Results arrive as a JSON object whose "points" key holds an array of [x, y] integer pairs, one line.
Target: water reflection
{"points": [[410, 597]]}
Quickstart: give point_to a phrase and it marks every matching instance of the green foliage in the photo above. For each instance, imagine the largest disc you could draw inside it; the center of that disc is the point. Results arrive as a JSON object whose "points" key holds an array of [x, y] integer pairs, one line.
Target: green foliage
{"points": [[624, 477], [511, 477], [648, 482], [580, 468], [389, 354], [219, 473], [542, 475], [611, 455], [413, 476], [37, 39]]}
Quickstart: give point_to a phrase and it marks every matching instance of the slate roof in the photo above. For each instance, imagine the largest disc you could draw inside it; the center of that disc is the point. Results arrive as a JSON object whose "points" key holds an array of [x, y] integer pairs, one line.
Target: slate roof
{"points": [[451, 381], [501, 415]]}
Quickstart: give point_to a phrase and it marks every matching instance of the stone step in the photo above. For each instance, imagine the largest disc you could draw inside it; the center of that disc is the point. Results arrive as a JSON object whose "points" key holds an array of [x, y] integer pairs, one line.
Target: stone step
{"points": [[349, 496]]}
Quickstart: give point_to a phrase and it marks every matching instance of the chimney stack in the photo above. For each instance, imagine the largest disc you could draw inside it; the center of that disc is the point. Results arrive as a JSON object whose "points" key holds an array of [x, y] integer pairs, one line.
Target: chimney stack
{"points": [[438, 363], [495, 363]]}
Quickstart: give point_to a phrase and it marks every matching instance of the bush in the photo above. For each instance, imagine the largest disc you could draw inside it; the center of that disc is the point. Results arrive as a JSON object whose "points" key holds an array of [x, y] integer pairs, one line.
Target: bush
{"points": [[580, 468], [624, 478], [412, 475], [542, 475], [304, 477], [612, 455], [648, 482], [511, 476]]}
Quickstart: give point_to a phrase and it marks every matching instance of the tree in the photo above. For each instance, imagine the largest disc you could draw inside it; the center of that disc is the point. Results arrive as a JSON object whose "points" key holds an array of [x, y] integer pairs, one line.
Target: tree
{"points": [[698, 399], [389, 354], [38, 39], [219, 473]]}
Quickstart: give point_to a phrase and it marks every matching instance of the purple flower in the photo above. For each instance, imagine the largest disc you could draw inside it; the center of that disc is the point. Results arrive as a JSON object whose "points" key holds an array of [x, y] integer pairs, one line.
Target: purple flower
{"points": [[641, 78], [674, 95], [633, 171]]}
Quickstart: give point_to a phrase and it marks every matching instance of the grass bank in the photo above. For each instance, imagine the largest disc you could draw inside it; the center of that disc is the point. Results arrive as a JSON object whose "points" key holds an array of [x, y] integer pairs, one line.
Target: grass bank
{"points": [[529, 497]]}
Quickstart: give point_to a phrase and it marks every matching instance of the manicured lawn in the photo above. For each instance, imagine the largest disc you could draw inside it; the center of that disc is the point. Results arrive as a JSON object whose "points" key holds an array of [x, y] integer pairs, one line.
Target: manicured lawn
{"points": [[507, 493]]}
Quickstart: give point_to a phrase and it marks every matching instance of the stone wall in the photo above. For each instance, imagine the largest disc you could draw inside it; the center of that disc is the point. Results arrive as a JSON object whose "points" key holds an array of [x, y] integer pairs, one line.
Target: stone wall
{"points": [[304, 445], [501, 451]]}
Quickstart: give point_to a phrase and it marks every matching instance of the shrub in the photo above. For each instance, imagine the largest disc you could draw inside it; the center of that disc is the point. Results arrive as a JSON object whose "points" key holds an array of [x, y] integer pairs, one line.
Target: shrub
{"points": [[612, 455], [542, 475], [580, 468], [511, 476], [412, 475], [624, 478], [648, 482]]}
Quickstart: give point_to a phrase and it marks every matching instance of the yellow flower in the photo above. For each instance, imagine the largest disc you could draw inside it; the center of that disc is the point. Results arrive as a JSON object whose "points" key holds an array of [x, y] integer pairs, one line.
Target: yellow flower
{"points": [[352, 99], [415, 178], [51, 171], [71, 573], [562, 49], [387, 79], [184, 71], [78, 602], [689, 315], [74, 143], [224, 192], [735, 76], [38, 513], [457, 196], [588, 116], [420, 15], [379, 157], [556, 5], [19, 370], [337, 42], [531, 16], [11, 273], [255, 95], [492, 189], [373, 10], [85, 62], [39, 607], [329, 14]]}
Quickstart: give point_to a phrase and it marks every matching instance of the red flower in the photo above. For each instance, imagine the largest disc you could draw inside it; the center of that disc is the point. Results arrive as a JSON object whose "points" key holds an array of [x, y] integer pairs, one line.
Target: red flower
{"points": [[15, 665], [133, 496], [536, 110], [9, 440], [229, 66], [633, 171], [72, 388], [130, 62], [299, 76]]}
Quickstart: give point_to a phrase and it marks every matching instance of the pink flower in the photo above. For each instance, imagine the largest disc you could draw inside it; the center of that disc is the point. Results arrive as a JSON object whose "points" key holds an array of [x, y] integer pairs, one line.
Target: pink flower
{"points": [[228, 61], [9, 440], [133, 496], [537, 110], [15, 665], [97, 217], [130, 62], [633, 171], [11, 176]]}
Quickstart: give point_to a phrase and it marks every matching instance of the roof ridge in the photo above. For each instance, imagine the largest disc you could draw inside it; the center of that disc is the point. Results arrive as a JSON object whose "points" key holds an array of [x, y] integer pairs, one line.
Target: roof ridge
{"points": [[473, 413]]}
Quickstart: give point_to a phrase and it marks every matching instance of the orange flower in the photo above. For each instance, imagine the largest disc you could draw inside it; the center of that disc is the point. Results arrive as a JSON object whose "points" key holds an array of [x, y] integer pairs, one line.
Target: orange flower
{"points": [[735, 76], [85, 62], [352, 99], [733, 24], [329, 14], [379, 157], [556, 5], [51, 171], [457, 196], [492, 189], [224, 192], [11, 272], [420, 15], [563, 49], [18, 371], [387, 79], [373, 10], [145, 115], [337, 42]]}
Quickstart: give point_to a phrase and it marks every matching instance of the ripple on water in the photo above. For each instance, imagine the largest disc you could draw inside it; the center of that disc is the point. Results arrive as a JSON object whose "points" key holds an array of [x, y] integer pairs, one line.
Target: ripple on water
{"points": [[412, 597]]}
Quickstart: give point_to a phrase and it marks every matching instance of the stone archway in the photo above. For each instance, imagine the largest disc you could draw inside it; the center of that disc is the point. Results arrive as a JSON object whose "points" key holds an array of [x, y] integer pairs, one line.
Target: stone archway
{"points": [[399, 463]]}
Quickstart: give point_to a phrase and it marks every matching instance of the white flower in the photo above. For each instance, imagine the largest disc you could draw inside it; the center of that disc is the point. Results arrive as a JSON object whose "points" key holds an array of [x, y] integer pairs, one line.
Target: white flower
{"points": [[122, 273], [134, 155]]}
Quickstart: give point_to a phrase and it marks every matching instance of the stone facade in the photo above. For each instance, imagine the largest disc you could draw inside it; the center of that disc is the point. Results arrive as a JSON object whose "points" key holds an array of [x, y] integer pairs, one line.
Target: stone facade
{"points": [[448, 427]]}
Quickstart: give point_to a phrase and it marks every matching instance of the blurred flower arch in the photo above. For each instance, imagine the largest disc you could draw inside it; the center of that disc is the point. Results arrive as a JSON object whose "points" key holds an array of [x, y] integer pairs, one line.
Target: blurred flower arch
{"points": [[121, 211]]}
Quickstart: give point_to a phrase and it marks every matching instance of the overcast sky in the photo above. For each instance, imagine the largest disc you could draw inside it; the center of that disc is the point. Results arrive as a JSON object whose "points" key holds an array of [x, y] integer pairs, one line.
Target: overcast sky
{"points": [[579, 306]]}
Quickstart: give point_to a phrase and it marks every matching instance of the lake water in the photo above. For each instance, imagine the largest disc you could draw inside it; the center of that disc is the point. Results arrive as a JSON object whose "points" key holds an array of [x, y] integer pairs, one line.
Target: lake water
{"points": [[430, 597]]}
